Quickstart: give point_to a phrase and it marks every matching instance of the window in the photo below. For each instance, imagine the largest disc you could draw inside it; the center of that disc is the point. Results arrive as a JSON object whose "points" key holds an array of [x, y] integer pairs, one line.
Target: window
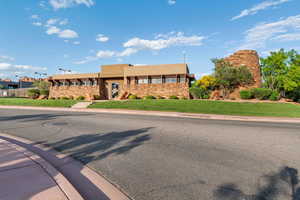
{"points": [[171, 79], [142, 80], [182, 79], [156, 80]]}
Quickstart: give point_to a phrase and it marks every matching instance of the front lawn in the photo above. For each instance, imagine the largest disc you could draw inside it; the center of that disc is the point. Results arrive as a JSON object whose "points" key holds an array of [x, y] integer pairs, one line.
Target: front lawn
{"points": [[207, 107], [41, 103]]}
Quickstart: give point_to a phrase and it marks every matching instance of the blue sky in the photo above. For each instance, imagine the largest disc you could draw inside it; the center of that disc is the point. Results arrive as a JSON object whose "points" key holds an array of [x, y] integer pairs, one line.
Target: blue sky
{"points": [[81, 35]]}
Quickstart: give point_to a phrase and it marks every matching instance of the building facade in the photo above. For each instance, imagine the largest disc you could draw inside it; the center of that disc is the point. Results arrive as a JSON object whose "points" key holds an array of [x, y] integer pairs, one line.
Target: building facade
{"points": [[119, 81]]}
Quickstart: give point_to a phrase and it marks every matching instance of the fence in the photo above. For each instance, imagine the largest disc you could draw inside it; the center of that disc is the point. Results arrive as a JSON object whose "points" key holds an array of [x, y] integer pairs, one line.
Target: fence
{"points": [[21, 92]]}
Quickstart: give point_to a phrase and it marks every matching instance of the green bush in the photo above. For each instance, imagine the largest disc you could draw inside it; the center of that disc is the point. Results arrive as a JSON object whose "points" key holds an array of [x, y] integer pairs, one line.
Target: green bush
{"points": [[261, 93], [160, 97], [275, 96], [199, 93], [132, 97], [65, 98], [97, 97], [246, 94], [80, 98], [44, 92], [33, 93], [149, 97], [184, 98], [173, 97]]}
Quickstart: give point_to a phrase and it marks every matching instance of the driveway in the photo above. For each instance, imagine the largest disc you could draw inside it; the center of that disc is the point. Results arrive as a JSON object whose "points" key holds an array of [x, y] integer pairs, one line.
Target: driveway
{"points": [[173, 158]]}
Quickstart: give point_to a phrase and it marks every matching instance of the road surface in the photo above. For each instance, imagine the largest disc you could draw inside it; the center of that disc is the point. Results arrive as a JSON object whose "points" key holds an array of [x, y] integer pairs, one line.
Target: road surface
{"points": [[172, 158]]}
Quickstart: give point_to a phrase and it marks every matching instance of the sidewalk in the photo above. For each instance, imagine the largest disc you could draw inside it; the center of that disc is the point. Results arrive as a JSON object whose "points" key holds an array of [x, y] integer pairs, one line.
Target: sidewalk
{"points": [[24, 175]]}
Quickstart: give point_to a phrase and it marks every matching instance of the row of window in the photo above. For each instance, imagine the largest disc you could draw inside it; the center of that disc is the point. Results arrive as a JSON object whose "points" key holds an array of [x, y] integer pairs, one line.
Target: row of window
{"points": [[76, 83], [159, 80]]}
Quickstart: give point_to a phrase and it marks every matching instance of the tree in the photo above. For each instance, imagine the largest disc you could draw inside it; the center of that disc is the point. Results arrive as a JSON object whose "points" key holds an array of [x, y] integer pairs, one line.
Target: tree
{"points": [[229, 77], [2, 87], [41, 85], [274, 68], [206, 82]]}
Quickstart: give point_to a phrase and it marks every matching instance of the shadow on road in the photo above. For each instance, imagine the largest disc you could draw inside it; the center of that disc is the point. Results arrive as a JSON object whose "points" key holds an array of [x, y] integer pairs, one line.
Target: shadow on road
{"points": [[279, 185], [37, 117], [91, 147]]}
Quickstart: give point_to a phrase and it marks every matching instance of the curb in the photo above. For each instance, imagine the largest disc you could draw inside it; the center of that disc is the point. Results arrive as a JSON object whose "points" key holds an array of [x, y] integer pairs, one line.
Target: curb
{"points": [[64, 185], [163, 114], [86, 183]]}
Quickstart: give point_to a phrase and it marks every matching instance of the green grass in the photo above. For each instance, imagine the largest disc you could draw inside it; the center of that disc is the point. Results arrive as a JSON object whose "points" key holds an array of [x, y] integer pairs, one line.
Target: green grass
{"points": [[41, 103], [207, 107]]}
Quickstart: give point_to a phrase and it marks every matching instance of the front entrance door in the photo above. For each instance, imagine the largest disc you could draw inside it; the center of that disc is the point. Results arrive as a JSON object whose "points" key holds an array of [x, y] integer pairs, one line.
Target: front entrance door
{"points": [[114, 90]]}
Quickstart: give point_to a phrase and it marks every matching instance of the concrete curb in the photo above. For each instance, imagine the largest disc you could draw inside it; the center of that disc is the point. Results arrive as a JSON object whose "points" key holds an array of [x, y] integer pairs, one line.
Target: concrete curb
{"points": [[85, 182], [65, 186], [164, 114]]}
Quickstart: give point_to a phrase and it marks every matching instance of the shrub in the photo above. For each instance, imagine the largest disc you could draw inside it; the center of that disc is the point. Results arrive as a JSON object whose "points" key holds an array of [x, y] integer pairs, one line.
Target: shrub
{"points": [[173, 97], [132, 96], [246, 94], [71, 97], [261, 93], [184, 98], [275, 96], [80, 98], [64, 98], [52, 98], [149, 97], [160, 97], [33, 93], [44, 92], [199, 93], [96, 97]]}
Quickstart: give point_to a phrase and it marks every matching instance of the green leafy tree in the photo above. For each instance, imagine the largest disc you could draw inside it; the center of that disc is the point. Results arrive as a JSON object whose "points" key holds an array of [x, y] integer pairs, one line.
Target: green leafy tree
{"points": [[2, 87], [229, 77], [41, 85]]}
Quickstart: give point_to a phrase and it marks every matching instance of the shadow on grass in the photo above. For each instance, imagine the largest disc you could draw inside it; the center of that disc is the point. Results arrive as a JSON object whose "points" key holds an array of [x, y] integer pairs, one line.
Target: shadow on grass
{"points": [[279, 185]]}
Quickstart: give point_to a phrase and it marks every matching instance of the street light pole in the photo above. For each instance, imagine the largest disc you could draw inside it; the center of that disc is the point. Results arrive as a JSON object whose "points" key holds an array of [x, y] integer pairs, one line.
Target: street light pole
{"points": [[20, 81], [63, 70]]}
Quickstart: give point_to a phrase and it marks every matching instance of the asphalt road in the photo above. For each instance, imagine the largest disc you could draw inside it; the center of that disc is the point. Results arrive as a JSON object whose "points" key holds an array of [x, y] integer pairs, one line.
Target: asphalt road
{"points": [[171, 158]]}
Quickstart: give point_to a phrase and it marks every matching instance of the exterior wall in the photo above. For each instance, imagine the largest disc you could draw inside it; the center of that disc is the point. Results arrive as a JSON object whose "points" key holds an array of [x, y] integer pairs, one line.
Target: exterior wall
{"points": [[74, 91], [106, 87], [164, 90]]}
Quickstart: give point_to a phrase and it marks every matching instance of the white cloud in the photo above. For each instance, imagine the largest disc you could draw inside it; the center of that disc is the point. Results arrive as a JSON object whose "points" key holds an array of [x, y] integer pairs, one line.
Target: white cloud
{"points": [[102, 38], [128, 52], [171, 2], [76, 43], [105, 54], [287, 37], [282, 30], [135, 45], [51, 22], [261, 6], [37, 24], [58, 4], [68, 34], [29, 68], [53, 30], [165, 41], [8, 58], [5, 66], [64, 22], [35, 17]]}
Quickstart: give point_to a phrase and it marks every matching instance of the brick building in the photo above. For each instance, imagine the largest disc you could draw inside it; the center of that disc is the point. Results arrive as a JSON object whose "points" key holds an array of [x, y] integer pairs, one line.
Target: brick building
{"points": [[118, 81]]}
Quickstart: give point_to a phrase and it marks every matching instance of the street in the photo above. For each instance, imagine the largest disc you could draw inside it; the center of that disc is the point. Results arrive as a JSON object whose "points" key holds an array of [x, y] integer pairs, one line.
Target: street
{"points": [[172, 158]]}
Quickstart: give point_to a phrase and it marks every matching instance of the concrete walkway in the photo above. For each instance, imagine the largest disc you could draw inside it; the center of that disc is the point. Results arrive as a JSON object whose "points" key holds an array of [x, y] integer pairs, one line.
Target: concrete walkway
{"points": [[40, 172], [80, 105], [24, 175]]}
